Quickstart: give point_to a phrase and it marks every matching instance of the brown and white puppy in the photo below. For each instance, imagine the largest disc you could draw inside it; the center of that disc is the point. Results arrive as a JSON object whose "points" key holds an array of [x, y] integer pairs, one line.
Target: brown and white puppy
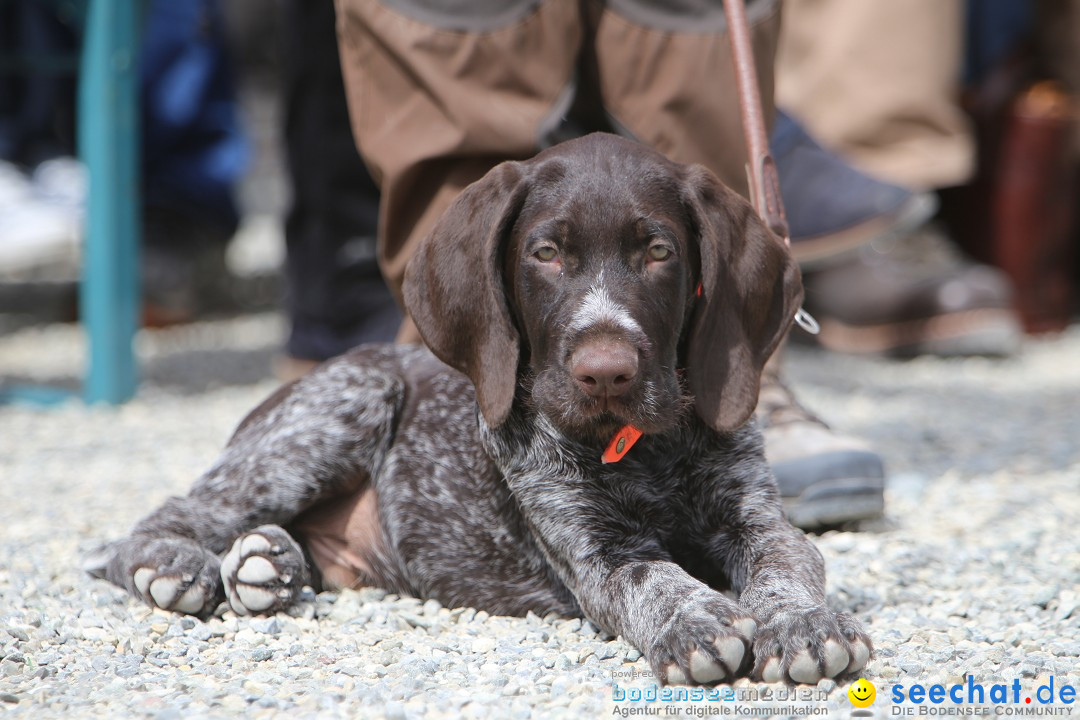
{"points": [[594, 287]]}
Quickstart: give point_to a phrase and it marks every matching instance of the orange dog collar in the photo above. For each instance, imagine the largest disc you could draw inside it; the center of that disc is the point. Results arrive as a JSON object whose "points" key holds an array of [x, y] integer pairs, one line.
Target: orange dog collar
{"points": [[621, 444]]}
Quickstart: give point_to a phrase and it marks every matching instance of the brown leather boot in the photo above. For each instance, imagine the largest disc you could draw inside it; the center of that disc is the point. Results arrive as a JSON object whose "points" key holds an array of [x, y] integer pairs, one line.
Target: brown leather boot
{"points": [[825, 478], [913, 296]]}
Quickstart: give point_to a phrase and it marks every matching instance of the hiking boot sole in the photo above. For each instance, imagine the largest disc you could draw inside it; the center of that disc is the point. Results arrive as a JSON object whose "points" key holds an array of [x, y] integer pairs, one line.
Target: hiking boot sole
{"points": [[831, 488], [835, 502], [990, 331]]}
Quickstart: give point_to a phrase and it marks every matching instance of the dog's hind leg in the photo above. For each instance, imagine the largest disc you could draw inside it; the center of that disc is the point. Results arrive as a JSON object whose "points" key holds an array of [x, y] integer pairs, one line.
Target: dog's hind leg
{"points": [[263, 571], [322, 437]]}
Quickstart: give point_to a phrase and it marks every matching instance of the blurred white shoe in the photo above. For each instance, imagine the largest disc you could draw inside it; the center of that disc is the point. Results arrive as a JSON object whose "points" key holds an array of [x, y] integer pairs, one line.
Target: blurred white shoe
{"points": [[41, 216], [61, 182], [15, 186]]}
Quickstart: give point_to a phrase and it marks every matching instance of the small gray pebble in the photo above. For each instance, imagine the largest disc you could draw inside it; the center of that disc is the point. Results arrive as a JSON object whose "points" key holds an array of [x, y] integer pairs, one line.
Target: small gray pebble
{"points": [[18, 634], [201, 633], [606, 651], [417, 621], [267, 626]]}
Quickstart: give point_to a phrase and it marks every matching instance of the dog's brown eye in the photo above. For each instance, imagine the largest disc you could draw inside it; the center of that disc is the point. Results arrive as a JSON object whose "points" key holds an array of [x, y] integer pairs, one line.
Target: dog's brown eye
{"points": [[659, 253], [546, 254]]}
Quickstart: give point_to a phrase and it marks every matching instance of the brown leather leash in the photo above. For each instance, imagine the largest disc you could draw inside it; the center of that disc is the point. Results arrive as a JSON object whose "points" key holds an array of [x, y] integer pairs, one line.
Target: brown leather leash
{"points": [[760, 167]]}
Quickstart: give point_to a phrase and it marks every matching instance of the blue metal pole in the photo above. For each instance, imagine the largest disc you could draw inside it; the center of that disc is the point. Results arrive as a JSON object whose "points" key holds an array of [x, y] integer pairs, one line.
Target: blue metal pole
{"points": [[108, 144]]}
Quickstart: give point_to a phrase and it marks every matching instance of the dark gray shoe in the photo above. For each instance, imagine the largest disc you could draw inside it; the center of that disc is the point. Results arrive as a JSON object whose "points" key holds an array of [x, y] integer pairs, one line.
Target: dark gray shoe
{"points": [[825, 478], [184, 274], [833, 209], [914, 296]]}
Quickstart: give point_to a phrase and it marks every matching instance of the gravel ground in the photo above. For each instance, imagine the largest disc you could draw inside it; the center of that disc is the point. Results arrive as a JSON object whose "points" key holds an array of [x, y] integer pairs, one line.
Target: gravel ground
{"points": [[975, 569]]}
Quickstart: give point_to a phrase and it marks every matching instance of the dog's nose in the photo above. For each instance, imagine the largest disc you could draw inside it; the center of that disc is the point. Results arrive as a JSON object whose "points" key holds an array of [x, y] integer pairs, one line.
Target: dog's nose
{"points": [[604, 368]]}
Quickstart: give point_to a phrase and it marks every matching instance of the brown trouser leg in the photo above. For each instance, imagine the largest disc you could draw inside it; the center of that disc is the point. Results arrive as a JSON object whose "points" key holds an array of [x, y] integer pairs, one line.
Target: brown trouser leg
{"points": [[879, 83], [669, 80], [438, 100]]}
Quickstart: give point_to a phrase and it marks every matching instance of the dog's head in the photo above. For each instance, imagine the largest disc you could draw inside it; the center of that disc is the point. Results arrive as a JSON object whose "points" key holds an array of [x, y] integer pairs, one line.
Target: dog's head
{"points": [[610, 279]]}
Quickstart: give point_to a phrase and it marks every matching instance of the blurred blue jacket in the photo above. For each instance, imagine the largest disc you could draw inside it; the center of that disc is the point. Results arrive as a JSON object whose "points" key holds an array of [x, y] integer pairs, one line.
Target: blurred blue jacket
{"points": [[194, 148]]}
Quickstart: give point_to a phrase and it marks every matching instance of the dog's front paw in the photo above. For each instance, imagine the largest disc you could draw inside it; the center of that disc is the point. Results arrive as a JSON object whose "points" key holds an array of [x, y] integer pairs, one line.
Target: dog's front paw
{"points": [[263, 572], [707, 640], [170, 573], [804, 647]]}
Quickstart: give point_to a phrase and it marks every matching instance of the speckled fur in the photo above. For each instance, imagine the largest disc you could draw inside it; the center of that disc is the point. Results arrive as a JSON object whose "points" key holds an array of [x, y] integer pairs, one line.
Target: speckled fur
{"points": [[489, 483]]}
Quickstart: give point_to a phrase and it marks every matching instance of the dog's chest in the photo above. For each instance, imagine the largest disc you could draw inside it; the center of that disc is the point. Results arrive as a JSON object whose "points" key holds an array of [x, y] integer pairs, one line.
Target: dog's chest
{"points": [[651, 486]]}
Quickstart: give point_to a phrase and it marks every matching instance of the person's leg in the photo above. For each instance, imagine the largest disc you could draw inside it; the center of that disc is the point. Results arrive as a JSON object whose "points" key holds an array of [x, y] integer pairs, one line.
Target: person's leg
{"points": [[879, 83], [337, 298], [894, 114], [194, 148], [439, 96], [667, 77], [194, 152]]}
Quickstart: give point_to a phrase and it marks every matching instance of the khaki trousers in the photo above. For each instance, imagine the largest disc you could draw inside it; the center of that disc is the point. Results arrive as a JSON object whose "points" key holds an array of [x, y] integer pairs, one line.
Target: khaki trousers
{"points": [[438, 97], [878, 81]]}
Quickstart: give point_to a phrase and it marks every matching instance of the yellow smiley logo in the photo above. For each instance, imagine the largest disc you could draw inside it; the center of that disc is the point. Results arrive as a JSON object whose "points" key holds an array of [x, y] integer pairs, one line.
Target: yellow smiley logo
{"points": [[862, 693]]}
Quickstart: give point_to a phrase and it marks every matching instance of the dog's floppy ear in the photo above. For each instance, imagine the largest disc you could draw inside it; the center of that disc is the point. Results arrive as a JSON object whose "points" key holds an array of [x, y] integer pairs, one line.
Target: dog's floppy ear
{"points": [[750, 291], [454, 288]]}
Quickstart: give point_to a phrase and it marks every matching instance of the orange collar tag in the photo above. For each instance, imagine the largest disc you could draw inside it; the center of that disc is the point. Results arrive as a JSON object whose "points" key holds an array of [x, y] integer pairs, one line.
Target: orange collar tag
{"points": [[621, 444]]}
